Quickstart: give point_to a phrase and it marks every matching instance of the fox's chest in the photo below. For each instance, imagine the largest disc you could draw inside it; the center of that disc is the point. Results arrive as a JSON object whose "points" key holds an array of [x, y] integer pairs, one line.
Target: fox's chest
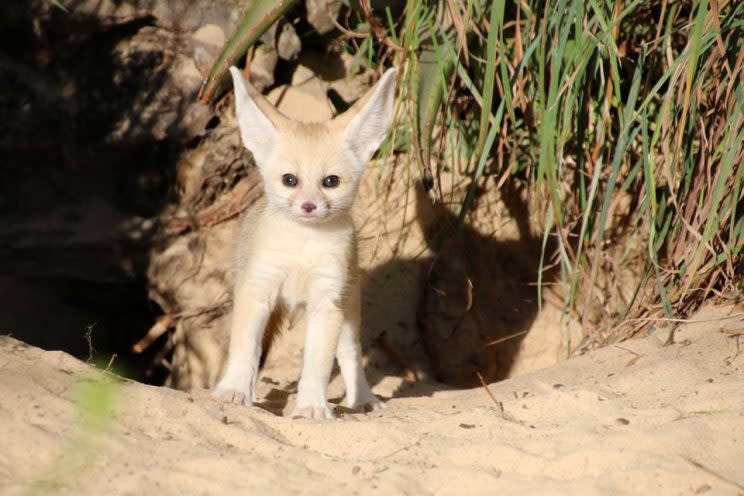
{"points": [[324, 279], [299, 263], [310, 269], [295, 288]]}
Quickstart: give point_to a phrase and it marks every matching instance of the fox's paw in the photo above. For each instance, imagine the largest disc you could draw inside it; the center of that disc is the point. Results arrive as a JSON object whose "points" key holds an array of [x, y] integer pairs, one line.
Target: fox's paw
{"points": [[367, 405], [312, 412], [232, 396], [230, 393], [373, 405]]}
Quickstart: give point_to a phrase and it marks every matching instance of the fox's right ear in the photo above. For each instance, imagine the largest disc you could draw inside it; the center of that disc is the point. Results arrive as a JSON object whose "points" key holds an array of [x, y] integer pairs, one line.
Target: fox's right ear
{"points": [[366, 123], [259, 121]]}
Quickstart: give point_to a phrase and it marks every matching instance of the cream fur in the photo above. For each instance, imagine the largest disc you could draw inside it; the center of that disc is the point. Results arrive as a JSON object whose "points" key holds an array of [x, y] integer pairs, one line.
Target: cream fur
{"points": [[289, 258]]}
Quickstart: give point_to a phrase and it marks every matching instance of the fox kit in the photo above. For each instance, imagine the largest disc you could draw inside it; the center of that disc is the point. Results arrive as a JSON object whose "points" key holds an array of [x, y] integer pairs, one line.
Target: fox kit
{"points": [[297, 247]]}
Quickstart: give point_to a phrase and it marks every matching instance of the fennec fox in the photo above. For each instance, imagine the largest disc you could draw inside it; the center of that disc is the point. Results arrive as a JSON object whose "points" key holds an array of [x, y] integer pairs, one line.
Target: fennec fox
{"points": [[297, 247]]}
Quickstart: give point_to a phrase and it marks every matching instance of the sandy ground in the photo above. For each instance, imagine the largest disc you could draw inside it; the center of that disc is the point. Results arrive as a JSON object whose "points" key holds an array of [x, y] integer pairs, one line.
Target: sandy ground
{"points": [[635, 418]]}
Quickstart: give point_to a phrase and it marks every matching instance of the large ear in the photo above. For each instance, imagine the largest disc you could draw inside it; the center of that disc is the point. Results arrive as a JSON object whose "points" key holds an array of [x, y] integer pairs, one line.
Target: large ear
{"points": [[369, 118], [259, 121]]}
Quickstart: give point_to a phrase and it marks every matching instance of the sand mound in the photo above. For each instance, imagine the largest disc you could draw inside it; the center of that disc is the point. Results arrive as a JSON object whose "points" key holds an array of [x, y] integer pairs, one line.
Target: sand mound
{"points": [[634, 418]]}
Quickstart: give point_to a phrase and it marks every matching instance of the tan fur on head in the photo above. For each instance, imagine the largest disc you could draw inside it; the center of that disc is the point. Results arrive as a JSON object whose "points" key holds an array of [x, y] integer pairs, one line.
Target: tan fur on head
{"points": [[312, 152]]}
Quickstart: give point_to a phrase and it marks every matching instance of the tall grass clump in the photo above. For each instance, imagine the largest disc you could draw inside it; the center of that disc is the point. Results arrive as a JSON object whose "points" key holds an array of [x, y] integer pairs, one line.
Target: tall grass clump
{"points": [[624, 118]]}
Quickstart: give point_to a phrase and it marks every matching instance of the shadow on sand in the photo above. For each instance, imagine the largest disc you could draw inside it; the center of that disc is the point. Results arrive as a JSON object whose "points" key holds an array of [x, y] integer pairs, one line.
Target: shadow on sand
{"points": [[477, 296]]}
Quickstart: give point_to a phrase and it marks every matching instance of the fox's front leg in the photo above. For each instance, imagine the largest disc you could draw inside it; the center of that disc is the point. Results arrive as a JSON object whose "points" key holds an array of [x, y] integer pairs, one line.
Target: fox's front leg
{"points": [[349, 355], [251, 311], [324, 318]]}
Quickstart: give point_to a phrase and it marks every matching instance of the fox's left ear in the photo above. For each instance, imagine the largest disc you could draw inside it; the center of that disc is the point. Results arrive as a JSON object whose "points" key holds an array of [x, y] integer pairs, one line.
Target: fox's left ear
{"points": [[369, 119]]}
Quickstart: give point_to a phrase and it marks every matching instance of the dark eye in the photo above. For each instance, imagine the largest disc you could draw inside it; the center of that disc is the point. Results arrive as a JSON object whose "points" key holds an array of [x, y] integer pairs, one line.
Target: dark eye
{"points": [[330, 181], [289, 180]]}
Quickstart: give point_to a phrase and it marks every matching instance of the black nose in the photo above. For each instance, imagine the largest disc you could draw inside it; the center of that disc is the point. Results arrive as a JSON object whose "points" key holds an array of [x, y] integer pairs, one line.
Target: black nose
{"points": [[308, 207]]}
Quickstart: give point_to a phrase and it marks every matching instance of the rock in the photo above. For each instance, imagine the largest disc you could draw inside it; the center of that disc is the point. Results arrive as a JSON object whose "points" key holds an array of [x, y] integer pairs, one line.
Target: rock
{"points": [[174, 15], [210, 34], [263, 66], [305, 100], [348, 80], [303, 75], [322, 13], [208, 41], [288, 44], [301, 103]]}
